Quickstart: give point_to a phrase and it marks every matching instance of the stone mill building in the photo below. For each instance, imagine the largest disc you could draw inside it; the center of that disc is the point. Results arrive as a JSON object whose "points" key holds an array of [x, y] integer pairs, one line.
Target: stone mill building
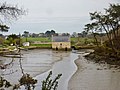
{"points": [[61, 43]]}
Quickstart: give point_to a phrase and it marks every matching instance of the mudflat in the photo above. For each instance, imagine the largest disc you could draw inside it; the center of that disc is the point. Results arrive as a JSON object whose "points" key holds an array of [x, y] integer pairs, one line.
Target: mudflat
{"points": [[92, 76]]}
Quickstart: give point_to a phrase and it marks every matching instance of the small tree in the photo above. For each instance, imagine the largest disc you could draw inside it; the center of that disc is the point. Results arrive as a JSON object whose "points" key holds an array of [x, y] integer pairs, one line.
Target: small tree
{"points": [[49, 84], [26, 34], [1, 41], [28, 82], [13, 39], [93, 27]]}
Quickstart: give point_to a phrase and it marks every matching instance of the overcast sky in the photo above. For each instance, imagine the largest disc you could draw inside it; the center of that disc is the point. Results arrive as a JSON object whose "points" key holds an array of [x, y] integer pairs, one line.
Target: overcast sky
{"points": [[43, 12]]}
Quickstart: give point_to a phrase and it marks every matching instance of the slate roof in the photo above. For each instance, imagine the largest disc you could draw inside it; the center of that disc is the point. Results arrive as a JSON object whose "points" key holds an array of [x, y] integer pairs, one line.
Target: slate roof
{"points": [[61, 39]]}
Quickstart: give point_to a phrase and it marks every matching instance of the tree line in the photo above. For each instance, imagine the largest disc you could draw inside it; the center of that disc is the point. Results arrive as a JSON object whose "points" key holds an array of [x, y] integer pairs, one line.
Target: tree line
{"points": [[108, 22]]}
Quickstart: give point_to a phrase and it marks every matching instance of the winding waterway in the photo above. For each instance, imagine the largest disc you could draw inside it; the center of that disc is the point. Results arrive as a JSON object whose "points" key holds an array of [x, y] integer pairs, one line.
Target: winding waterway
{"points": [[38, 63], [77, 72]]}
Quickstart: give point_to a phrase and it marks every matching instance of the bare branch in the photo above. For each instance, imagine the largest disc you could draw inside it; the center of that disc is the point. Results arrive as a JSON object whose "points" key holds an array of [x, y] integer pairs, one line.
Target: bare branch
{"points": [[9, 12]]}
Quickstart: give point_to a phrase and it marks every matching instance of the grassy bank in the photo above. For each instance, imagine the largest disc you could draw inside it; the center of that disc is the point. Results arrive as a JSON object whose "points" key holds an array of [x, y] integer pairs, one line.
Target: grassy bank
{"points": [[32, 39], [74, 40], [45, 42], [38, 46], [42, 45], [78, 43], [84, 47]]}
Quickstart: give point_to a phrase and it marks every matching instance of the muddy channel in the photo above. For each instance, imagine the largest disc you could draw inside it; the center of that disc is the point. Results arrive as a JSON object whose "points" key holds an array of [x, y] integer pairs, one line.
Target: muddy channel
{"points": [[77, 72]]}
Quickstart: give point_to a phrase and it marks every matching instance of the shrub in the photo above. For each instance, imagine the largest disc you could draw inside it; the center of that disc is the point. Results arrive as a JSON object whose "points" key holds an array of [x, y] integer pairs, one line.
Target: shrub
{"points": [[49, 84]]}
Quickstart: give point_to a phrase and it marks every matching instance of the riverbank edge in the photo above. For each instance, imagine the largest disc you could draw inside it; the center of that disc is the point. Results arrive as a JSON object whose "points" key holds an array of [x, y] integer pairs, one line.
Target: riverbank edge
{"points": [[51, 69], [6, 50], [77, 63], [103, 58]]}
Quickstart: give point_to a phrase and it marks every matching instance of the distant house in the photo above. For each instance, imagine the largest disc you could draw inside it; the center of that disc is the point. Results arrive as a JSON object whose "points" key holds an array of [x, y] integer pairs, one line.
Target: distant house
{"points": [[26, 44], [61, 43], [41, 35]]}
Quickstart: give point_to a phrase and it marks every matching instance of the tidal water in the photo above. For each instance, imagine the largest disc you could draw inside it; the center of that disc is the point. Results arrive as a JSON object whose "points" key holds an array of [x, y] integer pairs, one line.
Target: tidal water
{"points": [[38, 63], [77, 72]]}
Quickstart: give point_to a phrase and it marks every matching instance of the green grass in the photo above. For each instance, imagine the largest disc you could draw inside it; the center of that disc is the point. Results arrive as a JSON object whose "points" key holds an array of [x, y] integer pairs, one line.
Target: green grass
{"points": [[74, 41], [42, 39], [46, 39], [77, 42], [42, 45], [38, 46], [81, 41]]}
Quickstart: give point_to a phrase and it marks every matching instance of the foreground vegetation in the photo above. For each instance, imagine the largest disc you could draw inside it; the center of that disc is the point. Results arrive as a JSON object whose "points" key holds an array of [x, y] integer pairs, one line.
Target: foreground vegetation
{"points": [[29, 82]]}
